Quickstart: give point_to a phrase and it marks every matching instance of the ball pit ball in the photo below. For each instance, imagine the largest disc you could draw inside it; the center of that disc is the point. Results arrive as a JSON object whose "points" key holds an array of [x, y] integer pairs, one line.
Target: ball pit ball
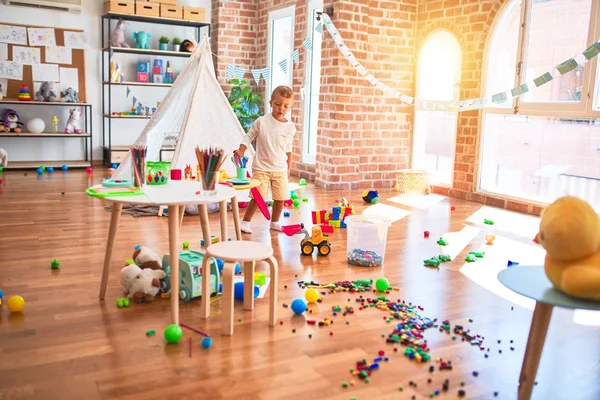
{"points": [[50, 169], [294, 195], [113, 165], [15, 303], [220, 264], [173, 333], [39, 171], [42, 168], [206, 343], [89, 170], [302, 182], [370, 196], [382, 284], [64, 167], [364, 258], [426, 234], [296, 202], [298, 306], [311, 295], [238, 291]]}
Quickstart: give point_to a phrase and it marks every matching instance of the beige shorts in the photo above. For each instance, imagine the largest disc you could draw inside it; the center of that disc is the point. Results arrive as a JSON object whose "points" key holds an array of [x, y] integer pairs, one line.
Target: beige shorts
{"points": [[278, 181]]}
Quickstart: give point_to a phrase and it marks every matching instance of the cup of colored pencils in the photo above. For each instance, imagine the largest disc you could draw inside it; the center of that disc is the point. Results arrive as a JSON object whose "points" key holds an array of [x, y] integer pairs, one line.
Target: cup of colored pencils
{"points": [[209, 164], [240, 165], [138, 165]]}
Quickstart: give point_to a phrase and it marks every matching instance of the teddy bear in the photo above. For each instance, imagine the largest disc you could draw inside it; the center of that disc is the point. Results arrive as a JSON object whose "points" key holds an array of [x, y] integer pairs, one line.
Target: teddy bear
{"points": [[45, 93], [3, 158], [141, 285], [117, 37], [70, 96], [73, 124], [146, 258], [570, 233], [11, 122]]}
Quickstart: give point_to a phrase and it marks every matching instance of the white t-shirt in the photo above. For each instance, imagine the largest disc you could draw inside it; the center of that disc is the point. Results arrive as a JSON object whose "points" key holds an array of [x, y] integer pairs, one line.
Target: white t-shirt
{"points": [[273, 140]]}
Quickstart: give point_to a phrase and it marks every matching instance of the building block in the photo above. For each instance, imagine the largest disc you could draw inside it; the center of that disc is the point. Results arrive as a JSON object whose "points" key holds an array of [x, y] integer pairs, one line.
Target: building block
{"points": [[158, 78], [318, 216], [213, 239], [326, 228], [142, 77], [335, 224], [143, 67], [260, 278]]}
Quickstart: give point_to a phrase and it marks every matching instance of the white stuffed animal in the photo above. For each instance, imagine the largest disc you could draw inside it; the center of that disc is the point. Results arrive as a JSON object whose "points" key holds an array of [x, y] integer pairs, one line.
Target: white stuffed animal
{"points": [[117, 38], [73, 124], [146, 258], [3, 158], [141, 285]]}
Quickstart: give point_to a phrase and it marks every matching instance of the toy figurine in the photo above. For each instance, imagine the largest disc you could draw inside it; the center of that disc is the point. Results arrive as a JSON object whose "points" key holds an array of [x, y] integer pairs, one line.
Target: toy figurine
{"points": [[117, 37], [73, 124], [45, 93], [11, 122]]}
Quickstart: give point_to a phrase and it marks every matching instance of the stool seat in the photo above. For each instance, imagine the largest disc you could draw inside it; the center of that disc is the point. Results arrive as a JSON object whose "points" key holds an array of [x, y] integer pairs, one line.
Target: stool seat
{"points": [[240, 251]]}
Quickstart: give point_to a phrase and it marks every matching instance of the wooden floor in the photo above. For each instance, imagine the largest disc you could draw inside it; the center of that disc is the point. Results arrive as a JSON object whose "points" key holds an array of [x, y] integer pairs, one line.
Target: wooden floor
{"points": [[69, 345]]}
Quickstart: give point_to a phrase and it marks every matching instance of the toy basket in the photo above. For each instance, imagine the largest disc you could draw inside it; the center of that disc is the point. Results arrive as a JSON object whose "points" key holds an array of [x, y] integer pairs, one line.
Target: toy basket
{"points": [[410, 181], [157, 173], [366, 239]]}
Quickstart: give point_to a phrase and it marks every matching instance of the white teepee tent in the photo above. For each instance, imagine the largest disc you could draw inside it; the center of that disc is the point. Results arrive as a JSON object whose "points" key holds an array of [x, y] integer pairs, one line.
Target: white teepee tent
{"points": [[195, 112]]}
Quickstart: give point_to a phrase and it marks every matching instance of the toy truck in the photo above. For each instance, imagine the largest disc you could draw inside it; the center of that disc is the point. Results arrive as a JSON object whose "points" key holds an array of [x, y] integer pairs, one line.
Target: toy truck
{"points": [[190, 273], [308, 244]]}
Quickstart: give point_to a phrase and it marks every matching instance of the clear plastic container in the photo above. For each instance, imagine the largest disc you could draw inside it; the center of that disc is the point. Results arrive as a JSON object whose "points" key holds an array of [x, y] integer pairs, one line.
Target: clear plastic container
{"points": [[367, 237]]}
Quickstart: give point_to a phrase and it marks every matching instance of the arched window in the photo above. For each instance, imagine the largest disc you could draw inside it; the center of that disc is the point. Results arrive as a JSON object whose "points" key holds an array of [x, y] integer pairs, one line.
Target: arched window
{"points": [[438, 78], [545, 143]]}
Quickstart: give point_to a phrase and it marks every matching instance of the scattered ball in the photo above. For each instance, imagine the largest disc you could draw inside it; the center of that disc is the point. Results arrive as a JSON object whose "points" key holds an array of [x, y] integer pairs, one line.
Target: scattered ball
{"points": [[298, 306], [113, 165], [370, 196], [220, 264], [311, 295], [173, 333], [64, 167], [296, 202], [238, 291], [39, 171], [302, 182], [294, 195], [42, 168], [50, 169], [382, 284], [15, 303], [206, 343], [89, 170]]}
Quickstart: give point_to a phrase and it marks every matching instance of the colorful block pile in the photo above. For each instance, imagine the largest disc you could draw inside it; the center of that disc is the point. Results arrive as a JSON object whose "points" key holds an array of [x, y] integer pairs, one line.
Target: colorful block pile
{"points": [[334, 219]]}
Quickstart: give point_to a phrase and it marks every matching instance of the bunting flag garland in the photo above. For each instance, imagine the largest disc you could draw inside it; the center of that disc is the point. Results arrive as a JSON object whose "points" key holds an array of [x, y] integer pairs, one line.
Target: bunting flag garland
{"points": [[256, 74], [239, 72], [283, 65], [307, 44], [134, 101], [295, 56], [230, 71], [319, 28], [128, 91], [266, 73]]}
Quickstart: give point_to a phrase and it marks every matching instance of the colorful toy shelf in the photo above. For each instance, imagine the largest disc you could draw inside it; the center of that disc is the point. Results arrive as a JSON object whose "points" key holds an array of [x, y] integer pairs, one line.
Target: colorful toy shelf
{"points": [[54, 164], [41, 103], [131, 83], [148, 52], [156, 20], [45, 135], [128, 116]]}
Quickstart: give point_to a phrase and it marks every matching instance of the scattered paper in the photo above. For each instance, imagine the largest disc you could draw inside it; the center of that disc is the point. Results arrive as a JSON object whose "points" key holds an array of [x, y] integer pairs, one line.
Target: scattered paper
{"points": [[76, 40], [11, 70], [4, 87], [420, 201], [26, 55], [59, 55], [13, 34], [45, 72], [506, 221], [69, 78], [41, 37], [394, 214], [458, 241], [3, 51]]}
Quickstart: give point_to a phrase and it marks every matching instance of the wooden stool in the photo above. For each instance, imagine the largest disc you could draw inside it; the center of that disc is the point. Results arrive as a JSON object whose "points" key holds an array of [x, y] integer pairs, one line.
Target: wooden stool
{"points": [[231, 253]]}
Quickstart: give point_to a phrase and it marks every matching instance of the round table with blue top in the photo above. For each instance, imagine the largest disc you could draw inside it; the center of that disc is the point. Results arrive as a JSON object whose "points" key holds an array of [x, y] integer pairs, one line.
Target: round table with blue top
{"points": [[532, 282]]}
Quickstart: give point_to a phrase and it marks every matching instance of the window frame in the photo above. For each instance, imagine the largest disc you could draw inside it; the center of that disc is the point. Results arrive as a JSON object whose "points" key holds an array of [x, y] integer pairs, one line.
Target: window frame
{"points": [[273, 16]]}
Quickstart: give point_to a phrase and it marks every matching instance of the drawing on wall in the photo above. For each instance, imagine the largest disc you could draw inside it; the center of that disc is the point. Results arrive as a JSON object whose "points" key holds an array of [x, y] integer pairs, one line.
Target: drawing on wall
{"points": [[59, 55], [13, 34], [44, 73], [3, 51], [26, 55], [75, 40], [41, 37], [11, 70]]}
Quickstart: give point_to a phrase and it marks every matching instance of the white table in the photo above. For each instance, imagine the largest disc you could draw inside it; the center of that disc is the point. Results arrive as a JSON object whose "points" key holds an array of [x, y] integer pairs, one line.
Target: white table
{"points": [[176, 195]]}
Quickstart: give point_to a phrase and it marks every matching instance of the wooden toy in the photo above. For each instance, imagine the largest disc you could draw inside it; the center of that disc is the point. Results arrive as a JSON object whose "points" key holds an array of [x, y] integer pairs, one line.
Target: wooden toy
{"points": [[190, 270]]}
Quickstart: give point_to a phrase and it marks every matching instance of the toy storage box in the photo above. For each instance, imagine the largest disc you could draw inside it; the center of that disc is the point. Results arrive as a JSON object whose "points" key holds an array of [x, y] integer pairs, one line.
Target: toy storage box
{"points": [[366, 239], [119, 7], [197, 14], [148, 9], [171, 11]]}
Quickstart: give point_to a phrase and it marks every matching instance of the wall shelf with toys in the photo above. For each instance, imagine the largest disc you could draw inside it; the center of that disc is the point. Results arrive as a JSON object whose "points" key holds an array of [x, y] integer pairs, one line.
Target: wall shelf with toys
{"points": [[119, 63]]}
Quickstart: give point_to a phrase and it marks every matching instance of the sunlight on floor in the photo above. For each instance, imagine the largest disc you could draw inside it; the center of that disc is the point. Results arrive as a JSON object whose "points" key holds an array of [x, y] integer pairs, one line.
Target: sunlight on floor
{"points": [[506, 221], [420, 201], [457, 241], [394, 214]]}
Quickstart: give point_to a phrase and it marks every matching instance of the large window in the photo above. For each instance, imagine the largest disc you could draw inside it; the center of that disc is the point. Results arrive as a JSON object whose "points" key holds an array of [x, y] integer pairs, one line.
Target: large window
{"points": [[438, 78], [281, 46], [312, 88], [545, 143]]}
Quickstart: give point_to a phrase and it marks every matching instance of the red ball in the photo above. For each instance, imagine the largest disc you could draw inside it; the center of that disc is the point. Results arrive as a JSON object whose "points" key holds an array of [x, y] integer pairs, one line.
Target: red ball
{"points": [[452, 208], [0, 181], [426, 234], [89, 170]]}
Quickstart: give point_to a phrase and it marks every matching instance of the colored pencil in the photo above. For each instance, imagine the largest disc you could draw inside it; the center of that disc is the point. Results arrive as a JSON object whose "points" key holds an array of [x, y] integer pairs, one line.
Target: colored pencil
{"points": [[194, 329]]}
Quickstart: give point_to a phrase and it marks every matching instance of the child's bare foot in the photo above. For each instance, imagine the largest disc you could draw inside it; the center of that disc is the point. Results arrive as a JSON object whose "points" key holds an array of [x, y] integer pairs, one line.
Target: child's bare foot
{"points": [[245, 227]]}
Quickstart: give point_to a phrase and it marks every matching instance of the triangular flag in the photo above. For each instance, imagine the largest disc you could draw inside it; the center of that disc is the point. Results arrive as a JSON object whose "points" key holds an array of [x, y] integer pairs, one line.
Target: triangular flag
{"points": [[128, 91], [134, 101], [307, 44], [230, 71], [256, 75], [319, 28], [296, 56], [240, 72], [266, 73], [111, 53], [283, 65], [592, 51]]}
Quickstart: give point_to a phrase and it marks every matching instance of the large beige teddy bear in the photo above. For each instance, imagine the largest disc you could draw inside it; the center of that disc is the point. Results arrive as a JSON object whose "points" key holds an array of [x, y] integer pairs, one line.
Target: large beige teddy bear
{"points": [[146, 258], [141, 285], [570, 233]]}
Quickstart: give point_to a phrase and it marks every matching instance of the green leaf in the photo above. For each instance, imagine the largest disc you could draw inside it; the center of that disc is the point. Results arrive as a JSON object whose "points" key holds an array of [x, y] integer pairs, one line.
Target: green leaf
{"points": [[247, 93], [236, 92]]}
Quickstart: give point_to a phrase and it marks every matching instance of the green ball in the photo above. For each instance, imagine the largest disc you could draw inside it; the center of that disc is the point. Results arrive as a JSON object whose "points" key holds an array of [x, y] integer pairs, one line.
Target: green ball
{"points": [[294, 195], [42, 168], [302, 182], [173, 333], [382, 284], [296, 202]]}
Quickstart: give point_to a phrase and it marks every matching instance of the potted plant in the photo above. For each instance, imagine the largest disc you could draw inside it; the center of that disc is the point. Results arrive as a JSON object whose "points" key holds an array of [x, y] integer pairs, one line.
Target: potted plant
{"points": [[176, 43], [244, 103], [164, 43]]}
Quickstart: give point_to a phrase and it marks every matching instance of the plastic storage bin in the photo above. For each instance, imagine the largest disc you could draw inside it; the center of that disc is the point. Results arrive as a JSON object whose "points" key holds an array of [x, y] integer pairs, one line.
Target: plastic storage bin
{"points": [[157, 173], [367, 237]]}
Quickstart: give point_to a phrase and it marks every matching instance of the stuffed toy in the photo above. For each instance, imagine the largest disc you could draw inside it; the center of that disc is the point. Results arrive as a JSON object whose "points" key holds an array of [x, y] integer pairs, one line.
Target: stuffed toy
{"points": [[141, 285], [142, 40], [146, 258], [46, 93], [116, 76], [117, 37], [73, 124], [3, 158], [570, 233], [1, 92], [70, 96], [11, 122]]}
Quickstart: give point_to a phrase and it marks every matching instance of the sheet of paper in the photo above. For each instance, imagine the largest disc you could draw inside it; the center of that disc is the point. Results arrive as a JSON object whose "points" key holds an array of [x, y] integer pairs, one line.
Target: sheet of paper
{"points": [[45, 72], [59, 55], [394, 214], [4, 87], [41, 37], [506, 221], [3, 51], [11, 70], [422, 201], [69, 78], [26, 55], [76, 40], [13, 34]]}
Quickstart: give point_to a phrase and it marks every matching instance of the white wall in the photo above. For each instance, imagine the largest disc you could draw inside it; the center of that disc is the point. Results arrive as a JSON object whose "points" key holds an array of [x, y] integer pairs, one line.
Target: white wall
{"points": [[124, 131]]}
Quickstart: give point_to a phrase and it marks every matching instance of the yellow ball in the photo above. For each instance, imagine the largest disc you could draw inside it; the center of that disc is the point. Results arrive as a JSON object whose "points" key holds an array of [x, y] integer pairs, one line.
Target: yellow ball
{"points": [[311, 295], [15, 303]]}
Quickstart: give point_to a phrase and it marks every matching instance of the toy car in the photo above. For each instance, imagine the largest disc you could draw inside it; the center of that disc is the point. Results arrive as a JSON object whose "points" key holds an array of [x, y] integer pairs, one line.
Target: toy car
{"points": [[190, 273]]}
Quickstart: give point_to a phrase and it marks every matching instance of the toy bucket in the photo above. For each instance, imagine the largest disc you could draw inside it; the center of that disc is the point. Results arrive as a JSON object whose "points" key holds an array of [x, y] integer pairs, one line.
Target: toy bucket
{"points": [[367, 237]]}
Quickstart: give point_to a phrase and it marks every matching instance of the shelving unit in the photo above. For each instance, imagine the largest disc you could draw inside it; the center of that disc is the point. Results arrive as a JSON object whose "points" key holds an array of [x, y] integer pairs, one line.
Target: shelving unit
{"points": [[86, 136], [115, 154]]}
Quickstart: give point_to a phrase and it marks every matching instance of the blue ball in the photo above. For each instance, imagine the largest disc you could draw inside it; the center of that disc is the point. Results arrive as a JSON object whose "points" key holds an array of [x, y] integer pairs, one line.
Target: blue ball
{"points": [[39, 171], [137, 247], [64, 167], [50, 169], [238, 291], [220, 264], [1, 293], [206, 343], [113, 165], [220, 288], [298, 306], [238, 269]]}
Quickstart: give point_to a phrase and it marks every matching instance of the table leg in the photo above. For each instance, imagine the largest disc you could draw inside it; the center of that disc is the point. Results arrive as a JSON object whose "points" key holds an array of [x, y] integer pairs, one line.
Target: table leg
{"points": [[203, 211], [115, 216], [227, 299], [533, 352], [174, 261], [181, 214], [249, 285], [273, 296], [236, 218], [223, 215], [205, 301]]}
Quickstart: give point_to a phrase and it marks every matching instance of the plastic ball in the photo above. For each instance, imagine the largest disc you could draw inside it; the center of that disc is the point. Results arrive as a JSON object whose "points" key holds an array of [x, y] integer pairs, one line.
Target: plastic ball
{"points": [[1, 182], [302, 182], [206, 343], [173, 333], [238, 291], [113, 165], [89, 170], [39, 171], [370, 196], [65, 167], [296, 202], [298, 306], [42, 168], [220, 264], [238, 269], [36, 125], [50, 169], [294, 195], [15, 303], [311, 295], [382, 284]]}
